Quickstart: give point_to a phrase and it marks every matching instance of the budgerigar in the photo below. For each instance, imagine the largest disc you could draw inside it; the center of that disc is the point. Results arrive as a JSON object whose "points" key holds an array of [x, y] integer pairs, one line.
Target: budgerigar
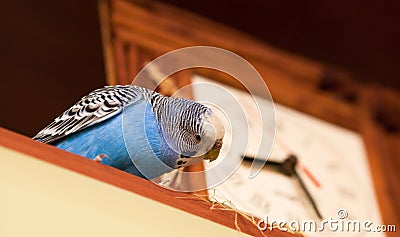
{"points": [[128, 125]]}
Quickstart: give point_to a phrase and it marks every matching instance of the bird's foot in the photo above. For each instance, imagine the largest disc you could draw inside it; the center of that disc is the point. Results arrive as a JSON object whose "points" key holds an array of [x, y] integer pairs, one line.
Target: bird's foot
{"points": [[100, 158]]}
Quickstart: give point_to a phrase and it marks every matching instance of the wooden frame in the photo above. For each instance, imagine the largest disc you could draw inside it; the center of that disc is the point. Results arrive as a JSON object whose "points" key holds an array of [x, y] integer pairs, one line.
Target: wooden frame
{"points": [[137, 31]]}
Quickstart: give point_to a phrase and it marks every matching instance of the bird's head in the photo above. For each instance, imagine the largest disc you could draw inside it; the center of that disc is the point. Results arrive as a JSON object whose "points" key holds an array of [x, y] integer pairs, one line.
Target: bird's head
{"points": [[195, 131], [211, 136]]}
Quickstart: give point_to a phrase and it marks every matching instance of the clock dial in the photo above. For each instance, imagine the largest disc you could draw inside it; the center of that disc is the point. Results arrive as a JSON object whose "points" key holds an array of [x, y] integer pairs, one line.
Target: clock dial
{"points": [[331, 162]]}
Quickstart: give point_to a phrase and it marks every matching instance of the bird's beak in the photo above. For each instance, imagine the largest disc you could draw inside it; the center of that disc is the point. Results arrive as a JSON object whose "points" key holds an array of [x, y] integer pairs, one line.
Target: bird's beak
{"points": [[213, 153]]}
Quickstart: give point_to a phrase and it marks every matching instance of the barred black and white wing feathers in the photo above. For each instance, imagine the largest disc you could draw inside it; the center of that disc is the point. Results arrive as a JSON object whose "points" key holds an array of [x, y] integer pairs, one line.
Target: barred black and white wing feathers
{"points": [[97, 106]]}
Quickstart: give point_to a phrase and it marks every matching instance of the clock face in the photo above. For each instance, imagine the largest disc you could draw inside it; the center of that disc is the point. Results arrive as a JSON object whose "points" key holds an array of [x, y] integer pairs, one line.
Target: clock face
{"points": [[331, 162]]}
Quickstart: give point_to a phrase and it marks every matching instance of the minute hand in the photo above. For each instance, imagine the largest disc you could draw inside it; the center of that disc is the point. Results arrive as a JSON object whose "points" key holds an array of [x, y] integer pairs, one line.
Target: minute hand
{"points": [[307, 194], [290, 163]]}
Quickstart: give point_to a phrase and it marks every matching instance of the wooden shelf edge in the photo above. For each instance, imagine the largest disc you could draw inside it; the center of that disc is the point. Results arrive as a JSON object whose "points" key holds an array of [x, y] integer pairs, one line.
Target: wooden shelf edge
{"points": [[179, 200]]}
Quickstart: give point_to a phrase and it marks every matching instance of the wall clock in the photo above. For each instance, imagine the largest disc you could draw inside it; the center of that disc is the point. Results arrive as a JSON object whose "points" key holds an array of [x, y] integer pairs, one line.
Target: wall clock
{"points": [[332, 164]]}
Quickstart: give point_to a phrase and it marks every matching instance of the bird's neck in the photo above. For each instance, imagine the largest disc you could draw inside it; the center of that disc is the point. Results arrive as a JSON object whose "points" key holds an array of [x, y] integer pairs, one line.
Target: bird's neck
{"points": [[145, 142]]}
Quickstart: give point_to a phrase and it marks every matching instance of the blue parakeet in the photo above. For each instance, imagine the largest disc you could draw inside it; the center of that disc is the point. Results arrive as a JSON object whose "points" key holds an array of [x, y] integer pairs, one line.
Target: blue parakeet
{"points": [[127, 126]]}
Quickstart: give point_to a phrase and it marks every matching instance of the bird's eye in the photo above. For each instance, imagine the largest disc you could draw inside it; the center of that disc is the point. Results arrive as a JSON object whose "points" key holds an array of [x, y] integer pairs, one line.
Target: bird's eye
{"points": [[198, 137]]}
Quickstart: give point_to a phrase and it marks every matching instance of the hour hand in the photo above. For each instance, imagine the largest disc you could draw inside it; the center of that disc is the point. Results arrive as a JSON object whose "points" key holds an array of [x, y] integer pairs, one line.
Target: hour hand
{"points": [[267, 162], [286, 167]]}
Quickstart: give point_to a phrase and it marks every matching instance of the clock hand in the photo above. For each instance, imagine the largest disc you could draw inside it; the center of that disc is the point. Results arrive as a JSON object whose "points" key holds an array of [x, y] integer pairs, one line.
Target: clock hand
{"points": [[307, 172], [309, 175], [281, 167], [268, 162], [308, 195], [291, 162], [288, 168], [285, 167], [285, 171]]}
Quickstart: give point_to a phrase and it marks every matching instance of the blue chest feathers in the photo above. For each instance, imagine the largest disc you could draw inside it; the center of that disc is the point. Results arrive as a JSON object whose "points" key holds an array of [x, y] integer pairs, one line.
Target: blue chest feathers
{"points": [[132, 140]]}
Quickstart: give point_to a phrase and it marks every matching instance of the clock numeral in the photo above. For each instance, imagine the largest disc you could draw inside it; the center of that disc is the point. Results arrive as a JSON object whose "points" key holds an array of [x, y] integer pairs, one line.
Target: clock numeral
{"points": [[346, 192], [332, 167], [287, 196]]}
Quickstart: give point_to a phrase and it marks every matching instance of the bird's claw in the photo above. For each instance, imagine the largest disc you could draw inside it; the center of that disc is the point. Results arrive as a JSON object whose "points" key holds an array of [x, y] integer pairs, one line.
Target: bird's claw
{"points": [[100, 157]]}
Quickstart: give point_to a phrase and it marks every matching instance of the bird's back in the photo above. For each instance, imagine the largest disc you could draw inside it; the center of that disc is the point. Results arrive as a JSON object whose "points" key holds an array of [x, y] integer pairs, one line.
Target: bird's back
{"points": [[99, 105]]}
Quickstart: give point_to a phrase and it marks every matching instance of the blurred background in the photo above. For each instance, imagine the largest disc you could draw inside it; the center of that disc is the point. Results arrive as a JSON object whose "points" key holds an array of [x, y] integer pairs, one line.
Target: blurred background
{"points": [[51, 51]]}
